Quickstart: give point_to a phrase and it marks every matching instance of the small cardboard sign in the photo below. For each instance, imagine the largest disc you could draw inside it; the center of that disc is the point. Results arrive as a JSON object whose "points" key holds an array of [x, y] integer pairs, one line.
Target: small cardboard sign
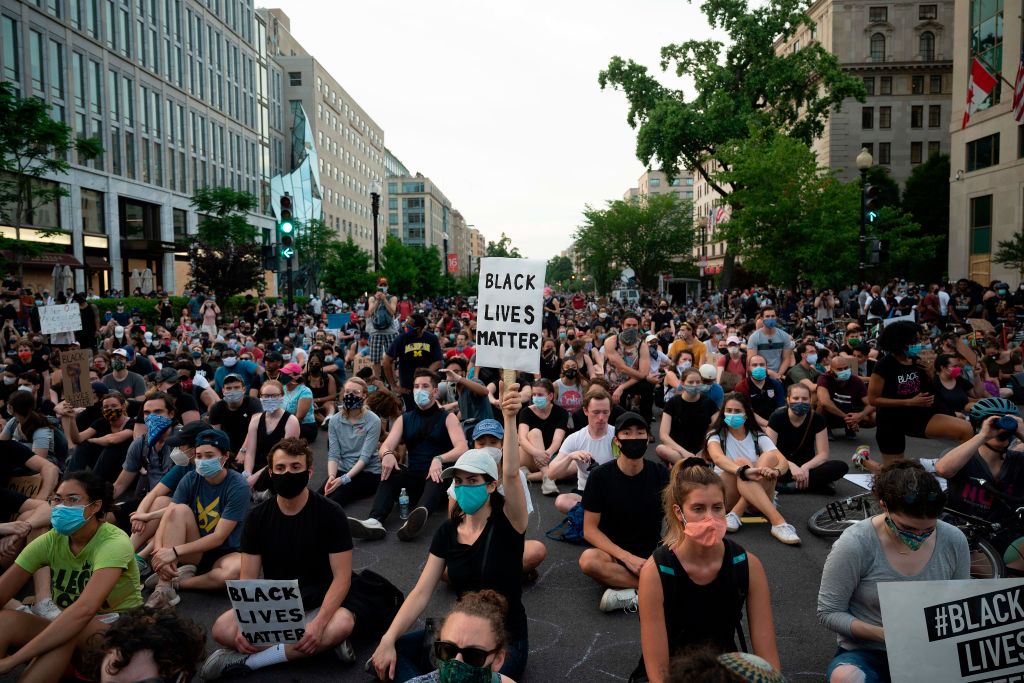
{"points": [[981, 325], [60, 318], [74, 367], [268, 612], [27, 486]]}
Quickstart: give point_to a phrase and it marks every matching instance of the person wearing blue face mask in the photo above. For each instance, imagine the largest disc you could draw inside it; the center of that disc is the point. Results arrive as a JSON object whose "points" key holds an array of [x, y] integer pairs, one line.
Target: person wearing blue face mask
{"points": [[542, 428], [685, 420], [433, 438], [94, 578], [771, 343], [481, 547], [841, 397], [413, 350], [902, 392], [801, 436], [766, 393], [806, 371], [196, 544]]}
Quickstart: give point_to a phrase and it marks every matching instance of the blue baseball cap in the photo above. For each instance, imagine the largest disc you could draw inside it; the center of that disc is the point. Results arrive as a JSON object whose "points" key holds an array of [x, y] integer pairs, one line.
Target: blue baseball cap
{"points": [[488, 427], [215, 438]]}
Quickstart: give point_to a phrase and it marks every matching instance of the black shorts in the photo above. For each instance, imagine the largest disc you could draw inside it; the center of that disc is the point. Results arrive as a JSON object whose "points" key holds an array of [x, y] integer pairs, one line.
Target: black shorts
{"points": [[895, 424], [210, 558], [10, 504]]}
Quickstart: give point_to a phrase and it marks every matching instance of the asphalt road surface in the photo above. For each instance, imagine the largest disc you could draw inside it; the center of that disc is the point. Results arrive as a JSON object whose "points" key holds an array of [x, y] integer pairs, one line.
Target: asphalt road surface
{"points": [[570, 638]]}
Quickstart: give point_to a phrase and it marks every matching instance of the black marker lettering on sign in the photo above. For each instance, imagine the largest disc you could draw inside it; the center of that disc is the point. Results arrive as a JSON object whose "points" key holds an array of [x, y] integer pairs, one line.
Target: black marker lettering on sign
{"points": [[977, 613], [516, 281], [508, 313], [261, 595], [508, 340], [992, 653], [1005, 678]]}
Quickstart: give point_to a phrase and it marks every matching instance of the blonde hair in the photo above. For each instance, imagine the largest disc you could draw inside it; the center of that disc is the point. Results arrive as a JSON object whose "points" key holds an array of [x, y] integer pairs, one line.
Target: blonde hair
{"points": [[273, 383], [363, 387], [687, 476]]}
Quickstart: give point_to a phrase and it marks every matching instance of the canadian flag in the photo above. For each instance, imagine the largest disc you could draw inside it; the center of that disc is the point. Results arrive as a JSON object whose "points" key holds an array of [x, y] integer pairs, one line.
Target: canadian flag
{"points": [[979, 84]]}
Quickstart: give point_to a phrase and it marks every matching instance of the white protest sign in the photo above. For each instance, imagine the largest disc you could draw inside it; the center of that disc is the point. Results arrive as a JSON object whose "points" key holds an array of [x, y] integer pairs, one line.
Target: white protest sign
{"points": [[268, 612], [510, 309], [954, 630], [60, 318], [909, 317]]}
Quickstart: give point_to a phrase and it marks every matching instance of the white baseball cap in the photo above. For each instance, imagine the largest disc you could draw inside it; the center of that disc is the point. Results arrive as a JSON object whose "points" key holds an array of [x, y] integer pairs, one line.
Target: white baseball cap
{"points": [[474, 461]]}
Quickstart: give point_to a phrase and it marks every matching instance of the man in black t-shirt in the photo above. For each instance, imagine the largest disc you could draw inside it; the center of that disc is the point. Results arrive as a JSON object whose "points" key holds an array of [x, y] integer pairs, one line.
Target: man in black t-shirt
{"points": [[231, 414], [622, 514], [297, 534], [414, 349]]}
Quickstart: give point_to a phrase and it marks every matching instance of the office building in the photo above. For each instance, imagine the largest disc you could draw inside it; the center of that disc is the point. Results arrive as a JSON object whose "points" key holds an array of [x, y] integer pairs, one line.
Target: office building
{"points": [[656, 182]]}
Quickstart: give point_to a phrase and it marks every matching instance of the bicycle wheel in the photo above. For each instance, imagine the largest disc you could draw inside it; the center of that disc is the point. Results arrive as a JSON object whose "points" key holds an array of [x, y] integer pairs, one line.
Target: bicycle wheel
{"points": [[833, 519], [986, 562]]}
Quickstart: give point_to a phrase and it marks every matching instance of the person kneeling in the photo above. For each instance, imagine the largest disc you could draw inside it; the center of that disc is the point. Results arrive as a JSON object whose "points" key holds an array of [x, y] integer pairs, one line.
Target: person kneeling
{"points": [[297, 534], [198, 549]]}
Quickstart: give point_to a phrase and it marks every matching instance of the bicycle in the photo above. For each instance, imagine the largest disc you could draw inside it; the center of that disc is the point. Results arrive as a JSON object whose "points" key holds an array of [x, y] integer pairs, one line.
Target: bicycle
{"points": [[986, 562]]}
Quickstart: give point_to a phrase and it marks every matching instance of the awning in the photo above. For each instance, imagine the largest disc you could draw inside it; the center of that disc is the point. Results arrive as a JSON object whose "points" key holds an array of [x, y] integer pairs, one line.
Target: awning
{"points": [[46, 259], [97, 263]]}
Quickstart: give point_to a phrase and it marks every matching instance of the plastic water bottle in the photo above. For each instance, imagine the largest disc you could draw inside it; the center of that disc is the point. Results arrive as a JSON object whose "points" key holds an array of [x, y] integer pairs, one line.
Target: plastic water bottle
{"points": [[403, 504]]}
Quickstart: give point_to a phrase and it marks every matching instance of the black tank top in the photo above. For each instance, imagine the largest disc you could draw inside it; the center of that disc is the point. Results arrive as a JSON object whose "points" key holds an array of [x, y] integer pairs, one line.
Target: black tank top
{"points": [[320, 391], [264, 441]]}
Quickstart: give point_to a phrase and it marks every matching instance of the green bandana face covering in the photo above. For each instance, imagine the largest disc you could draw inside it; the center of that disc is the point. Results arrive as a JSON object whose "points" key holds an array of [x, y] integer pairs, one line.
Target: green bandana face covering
{"points": [[456, 671], [907, 538]]}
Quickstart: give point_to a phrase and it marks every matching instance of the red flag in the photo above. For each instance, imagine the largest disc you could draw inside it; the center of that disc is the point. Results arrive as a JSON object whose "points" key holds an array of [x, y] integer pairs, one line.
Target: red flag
{"points": [[979, 84]]}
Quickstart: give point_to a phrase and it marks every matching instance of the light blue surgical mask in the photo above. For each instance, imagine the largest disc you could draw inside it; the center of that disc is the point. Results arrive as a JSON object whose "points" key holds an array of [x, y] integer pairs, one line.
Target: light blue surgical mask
{"points": [[812, 358], [770, 323], [914, 349], [735, 420], [759, 373], [540, 401], [235, 396], [271, 404], [471, 498], [421, 397], [844, 375], [67, 519], [692, 389], [208, 467]]}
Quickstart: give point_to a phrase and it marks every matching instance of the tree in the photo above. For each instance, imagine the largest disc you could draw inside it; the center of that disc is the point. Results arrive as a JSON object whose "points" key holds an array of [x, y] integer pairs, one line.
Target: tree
{"points": [[559, 269], [1011, 254], [33, 149], [314, 243], [926, 198], [740, 84], [225, 255], [648, 234], [502, 248], [346, 271], [888, 189], [415, 271]]}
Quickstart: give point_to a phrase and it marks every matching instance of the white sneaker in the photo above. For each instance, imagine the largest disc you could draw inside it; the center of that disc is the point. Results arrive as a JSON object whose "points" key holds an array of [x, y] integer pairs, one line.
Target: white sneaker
{"points": [[369, 529], [786, 533], [614, 600], [732, 522], [46, 609], [548, 487]]}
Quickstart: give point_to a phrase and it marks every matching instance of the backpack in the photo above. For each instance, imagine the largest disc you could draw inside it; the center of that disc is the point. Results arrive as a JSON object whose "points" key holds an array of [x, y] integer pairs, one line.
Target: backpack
{"points": [[570, 529], [877, 307], [377, 601], [381, 318]]}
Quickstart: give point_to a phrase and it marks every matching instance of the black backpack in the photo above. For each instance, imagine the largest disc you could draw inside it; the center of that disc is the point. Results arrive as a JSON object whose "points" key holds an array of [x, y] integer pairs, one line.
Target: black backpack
{"points": [[381, 318], [877, 307]]}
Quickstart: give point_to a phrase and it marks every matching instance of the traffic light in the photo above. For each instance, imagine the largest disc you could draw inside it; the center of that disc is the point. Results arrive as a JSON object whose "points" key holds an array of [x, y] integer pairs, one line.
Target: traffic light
{"points": [[872, 202], [286, 226]]}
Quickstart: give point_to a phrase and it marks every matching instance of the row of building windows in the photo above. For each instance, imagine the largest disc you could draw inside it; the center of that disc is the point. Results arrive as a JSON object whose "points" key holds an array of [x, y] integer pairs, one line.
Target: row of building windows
{"points": [[917, 83], [336, 100], [867, 117], [925, 47], [879, 14], [884, 157], [354, 139]]}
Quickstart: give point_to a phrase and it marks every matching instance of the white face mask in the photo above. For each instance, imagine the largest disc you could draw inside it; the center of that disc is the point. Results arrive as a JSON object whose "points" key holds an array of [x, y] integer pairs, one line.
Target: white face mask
{"points": [[179, 457]]}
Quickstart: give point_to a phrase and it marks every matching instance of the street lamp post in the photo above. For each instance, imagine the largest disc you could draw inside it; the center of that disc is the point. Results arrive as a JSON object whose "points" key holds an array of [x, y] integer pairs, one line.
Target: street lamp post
{"points": [[444, 264], [864, 162], [375, 207]]}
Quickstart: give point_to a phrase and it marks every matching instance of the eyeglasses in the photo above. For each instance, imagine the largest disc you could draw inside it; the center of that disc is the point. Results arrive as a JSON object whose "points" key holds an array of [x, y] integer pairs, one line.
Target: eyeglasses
{"points": [[474, 656], [270, 395], [67, 500]]}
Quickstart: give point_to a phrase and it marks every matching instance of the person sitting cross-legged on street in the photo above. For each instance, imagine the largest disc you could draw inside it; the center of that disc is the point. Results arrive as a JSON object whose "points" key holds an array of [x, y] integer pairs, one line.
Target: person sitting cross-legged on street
{"points": [[433, 439], [197, 547], [801, 436], [297, 534], [586, 449], [622, 515]]}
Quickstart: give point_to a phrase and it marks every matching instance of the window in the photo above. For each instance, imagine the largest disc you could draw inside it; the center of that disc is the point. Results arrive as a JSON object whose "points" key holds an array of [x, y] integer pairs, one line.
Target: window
{"points": [[927, 12], [867, 118], [915, 152], [935, 85], [796, 47], [986, 30], [35, 53], [56, 70], [877, 14], [654, 182], [926, 46], [885, 117], [294, 78], [877, 47], [93, 219], [917, 116], [934, 115], [885, 86], [11, 51], [412, 187], [934, 147], [981, 224], [869, 85], [869, 146], [917, 85], [884, 153], [983, 152]]}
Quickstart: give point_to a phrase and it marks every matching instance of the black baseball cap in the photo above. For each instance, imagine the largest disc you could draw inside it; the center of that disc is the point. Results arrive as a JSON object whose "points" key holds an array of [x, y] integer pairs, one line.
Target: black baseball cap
{"points": [[186, 436], [630, 420]]}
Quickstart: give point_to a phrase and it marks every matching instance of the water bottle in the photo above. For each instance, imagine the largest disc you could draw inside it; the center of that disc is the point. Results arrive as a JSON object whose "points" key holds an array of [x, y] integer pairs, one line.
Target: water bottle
{"points": [[403, 504]]}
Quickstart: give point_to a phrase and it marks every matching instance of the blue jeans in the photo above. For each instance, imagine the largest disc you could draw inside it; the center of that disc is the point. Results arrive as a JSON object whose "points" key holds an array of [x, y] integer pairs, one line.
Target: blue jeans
{"points": [[413, 659], [873, 663]]}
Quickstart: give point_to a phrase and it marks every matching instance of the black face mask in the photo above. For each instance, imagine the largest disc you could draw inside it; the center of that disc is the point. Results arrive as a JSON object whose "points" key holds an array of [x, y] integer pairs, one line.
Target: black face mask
{"points": [[633, 449], [570, 373], [289, 484]]}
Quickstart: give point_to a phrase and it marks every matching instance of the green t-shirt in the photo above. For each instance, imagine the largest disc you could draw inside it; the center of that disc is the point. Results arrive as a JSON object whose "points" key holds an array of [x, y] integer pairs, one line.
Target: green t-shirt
{"points": [[110, 547]]}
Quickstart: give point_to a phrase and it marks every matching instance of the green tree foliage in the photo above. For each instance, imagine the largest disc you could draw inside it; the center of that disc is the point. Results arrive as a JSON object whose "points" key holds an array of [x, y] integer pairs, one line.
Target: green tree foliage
{"points": [[33, 146], [412, 270], [1011, 254], [315, 241], [346, 271], [225, 255], [650, 235], [503, 247], [926, 198], [740, 83], [888, 189], [559, 269], [792, 220]]}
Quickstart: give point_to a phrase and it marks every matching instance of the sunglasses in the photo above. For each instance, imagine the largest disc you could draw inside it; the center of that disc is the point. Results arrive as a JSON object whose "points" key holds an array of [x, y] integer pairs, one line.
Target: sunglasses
{"points": [[474, 656]]}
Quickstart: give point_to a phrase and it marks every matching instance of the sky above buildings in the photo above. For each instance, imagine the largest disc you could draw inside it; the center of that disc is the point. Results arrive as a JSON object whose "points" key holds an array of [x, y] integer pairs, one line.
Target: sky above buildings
{"points": [[498, 103]]}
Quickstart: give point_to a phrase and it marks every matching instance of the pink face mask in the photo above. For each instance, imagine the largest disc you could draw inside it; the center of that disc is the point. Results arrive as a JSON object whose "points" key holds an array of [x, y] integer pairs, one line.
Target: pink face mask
{"points": [[707, 532], [955, 371]]}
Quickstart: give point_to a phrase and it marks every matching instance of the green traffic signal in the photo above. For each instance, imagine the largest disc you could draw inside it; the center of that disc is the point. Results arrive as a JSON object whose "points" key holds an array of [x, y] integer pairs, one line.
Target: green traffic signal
{"points": [[286, 227]]}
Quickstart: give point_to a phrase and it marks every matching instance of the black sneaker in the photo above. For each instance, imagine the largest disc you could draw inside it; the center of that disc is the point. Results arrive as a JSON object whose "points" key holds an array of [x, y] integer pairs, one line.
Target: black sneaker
{"points": [[413, 525]]}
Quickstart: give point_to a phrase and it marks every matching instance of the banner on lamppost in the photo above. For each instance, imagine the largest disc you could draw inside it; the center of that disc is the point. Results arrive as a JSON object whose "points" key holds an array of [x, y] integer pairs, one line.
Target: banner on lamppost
{"points": [[453, 263]]}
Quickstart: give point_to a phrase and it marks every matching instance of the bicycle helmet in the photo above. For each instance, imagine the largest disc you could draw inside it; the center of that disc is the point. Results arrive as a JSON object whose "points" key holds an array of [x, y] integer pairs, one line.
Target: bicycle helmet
{"points": [[988, 407]]}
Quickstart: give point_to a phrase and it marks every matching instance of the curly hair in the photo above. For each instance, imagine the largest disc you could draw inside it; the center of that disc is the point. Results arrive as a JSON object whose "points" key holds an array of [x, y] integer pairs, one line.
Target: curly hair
{"points": [[143, 629], [907, 488], [490, 606]]}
